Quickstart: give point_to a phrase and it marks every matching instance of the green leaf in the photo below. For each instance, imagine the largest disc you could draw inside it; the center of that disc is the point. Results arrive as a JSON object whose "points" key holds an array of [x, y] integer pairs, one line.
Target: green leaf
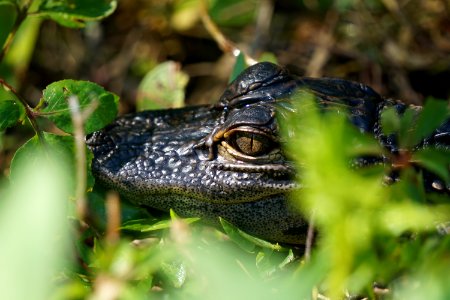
{"points": [[233, 12], [33, 216], [390, 120], [235, 235], [10, 113], [407, 128], [57, 148], [175, 272], [434, 114], [8, 15], [56, 96], [162, 87], [238, 67], [434, 160], [75, 13], [146, 225], [244, 240], [268, 56], [287, 260], [185, 15]]}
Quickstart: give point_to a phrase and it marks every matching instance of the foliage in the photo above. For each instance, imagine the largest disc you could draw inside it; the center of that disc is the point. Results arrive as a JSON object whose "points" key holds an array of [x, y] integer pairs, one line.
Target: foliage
{"points": [[369, 232], [162, 87]]}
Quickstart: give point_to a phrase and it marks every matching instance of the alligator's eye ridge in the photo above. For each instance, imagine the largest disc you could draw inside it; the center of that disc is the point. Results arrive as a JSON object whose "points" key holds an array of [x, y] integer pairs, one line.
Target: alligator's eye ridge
{"points": [[252, 144]]}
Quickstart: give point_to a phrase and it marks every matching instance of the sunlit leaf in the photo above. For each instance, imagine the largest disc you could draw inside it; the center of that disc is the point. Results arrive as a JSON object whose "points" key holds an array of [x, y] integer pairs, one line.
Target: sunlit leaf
{"points": [[186, 14], [268, 56], [162, 87], [33, 216], [75, 13], [146, 225], [56, 97]]}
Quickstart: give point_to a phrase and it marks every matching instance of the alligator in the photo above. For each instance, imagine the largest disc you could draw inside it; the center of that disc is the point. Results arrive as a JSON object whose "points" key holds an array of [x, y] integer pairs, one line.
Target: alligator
{"points": [[227, 160]]}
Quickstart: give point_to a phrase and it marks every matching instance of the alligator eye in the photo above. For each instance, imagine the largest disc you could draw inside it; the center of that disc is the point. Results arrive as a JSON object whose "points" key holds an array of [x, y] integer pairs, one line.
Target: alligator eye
{"points": [[252, 144]]}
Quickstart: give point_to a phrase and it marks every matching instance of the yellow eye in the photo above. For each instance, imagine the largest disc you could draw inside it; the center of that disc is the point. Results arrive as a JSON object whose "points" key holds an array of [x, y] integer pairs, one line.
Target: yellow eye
{"points": [[252, 144]]}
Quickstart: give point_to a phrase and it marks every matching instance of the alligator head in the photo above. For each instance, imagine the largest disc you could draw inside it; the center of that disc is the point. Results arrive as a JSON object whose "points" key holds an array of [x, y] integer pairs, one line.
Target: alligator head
{"points": [[224, 160]]}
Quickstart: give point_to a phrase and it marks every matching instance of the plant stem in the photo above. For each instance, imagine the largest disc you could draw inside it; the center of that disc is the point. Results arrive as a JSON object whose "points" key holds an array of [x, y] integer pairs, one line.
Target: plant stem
{"points": [[28, 110], [78, 119], [224, 44], [21, 16], [80, 155]]}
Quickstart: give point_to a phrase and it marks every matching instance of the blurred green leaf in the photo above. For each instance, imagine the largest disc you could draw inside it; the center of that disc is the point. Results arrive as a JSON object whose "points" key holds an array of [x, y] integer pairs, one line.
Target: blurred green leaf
{"points": [[162, 87], [21, 51], [8, 15], [235, 235], [57, 109], [244, 240], [407, 128], [287, 260], [186, 14], [390, 121], [57, 148], [435, 160], [238, 67], [146, 225], [175, 272], [433, 114], [233, 12], [10, 113], [349, 209], [33, 228], [268, 56], [75, 13]]}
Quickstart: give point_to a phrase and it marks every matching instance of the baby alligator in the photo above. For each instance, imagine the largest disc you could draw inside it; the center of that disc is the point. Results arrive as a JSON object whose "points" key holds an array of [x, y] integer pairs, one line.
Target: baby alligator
{"points": [[225, 160]]}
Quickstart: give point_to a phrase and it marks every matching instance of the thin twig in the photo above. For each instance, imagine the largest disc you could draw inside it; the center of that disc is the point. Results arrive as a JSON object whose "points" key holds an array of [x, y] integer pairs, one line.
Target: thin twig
{"points": [[113, 217], [80, 156], [325, 42], [263, 21], [309, 238], [225, 44], [28, 110], [78, 119]]}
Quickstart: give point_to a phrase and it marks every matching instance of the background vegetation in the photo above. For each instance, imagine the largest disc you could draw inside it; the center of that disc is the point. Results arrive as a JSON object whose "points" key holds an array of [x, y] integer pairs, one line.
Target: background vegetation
{"points": [[377, 241]]}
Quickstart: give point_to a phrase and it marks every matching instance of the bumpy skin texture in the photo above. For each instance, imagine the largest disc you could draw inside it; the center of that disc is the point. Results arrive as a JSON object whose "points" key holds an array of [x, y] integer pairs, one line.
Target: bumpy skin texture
{"points": [[226, 160]]}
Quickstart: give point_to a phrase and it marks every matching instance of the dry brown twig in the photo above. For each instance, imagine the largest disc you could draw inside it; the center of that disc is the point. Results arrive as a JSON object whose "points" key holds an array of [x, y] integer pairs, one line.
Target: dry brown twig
{"points": [[225, 44]]}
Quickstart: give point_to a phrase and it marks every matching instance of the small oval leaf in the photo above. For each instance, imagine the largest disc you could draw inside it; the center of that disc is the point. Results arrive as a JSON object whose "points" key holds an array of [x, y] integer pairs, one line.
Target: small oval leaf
{"points": [[162, 87], [76, 13], [56, 96]]}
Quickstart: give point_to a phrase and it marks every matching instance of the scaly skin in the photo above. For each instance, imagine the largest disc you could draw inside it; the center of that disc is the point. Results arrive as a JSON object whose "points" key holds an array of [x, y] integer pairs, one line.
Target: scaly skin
{"points": [[226, 160]]}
